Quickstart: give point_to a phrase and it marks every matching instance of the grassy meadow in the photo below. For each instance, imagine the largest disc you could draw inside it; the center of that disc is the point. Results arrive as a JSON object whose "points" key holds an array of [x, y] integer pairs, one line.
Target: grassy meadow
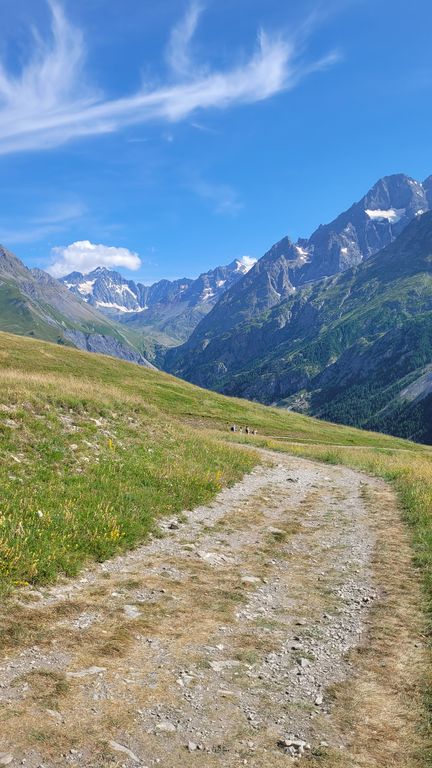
{"points": [[93, 451]]}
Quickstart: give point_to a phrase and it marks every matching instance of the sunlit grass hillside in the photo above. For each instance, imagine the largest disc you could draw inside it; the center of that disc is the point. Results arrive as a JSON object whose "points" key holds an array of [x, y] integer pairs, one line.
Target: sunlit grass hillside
{"points": [[94, 450]]}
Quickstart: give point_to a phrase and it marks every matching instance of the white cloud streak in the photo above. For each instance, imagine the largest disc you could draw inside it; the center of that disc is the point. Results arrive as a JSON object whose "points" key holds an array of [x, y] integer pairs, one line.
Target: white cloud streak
{"points": [[248, 262], [84, 256], [51, 102], [179, 53]]}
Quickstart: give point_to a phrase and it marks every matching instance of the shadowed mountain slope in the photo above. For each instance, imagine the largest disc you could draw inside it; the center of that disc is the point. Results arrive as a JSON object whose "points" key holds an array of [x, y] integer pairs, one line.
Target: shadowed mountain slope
{"points": [[348, 348]]}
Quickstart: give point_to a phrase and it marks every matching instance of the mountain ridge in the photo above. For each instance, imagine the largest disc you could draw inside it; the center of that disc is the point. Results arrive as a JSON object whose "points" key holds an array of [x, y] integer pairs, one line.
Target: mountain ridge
{"points": [[351, 237], [33, 303], [169, 307], [297, 351], [347, 359]]}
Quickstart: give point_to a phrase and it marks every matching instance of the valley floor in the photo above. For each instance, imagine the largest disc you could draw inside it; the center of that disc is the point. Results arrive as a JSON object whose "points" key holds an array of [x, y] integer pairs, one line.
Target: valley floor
{"points": [[285, 611]]}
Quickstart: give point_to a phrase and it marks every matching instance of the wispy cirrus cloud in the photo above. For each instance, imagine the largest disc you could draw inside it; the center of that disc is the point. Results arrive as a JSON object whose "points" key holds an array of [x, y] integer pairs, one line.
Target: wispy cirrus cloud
{"points": [[179, 48], [48, 222], [223, 199], [51, 100]]}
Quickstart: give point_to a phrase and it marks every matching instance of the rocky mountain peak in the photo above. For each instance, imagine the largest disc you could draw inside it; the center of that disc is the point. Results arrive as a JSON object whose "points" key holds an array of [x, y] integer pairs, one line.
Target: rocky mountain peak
{"points": [[9, 264], [357, 234], [366, 227], [171, 306]]}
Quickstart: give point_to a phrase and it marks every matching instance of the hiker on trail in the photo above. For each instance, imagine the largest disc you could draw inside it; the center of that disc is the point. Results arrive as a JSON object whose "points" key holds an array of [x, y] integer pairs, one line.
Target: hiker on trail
{"points": [[247, 430], [233, 428]]}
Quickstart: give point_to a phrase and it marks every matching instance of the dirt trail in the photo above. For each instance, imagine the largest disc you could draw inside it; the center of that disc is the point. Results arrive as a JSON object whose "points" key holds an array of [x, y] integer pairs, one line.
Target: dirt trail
{"points": [[280, 623]]}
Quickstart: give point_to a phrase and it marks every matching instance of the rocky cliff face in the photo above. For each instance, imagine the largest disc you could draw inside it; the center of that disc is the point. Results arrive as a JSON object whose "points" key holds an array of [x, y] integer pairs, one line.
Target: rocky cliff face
{"points": [[338, 325], [354, 348], [104, 344], [367, 227], [359, 233]]}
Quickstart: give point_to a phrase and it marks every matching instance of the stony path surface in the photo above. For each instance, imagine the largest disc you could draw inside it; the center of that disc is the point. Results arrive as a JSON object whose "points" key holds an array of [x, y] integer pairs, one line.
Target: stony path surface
{"points": [[216, 644]]}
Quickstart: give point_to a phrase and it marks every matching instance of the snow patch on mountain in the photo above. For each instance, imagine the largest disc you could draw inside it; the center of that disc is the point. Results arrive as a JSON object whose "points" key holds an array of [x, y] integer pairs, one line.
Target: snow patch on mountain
{"points": [[303, 254], [86, 288], [118, 307], [207, 294]]}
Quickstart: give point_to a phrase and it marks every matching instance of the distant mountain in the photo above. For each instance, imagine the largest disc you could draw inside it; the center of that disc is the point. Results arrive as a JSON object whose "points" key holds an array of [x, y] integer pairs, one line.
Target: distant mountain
{"points": [[288, 334], [169, 310], [32, 303], [367, 227], [355, 348], [358, 233]]}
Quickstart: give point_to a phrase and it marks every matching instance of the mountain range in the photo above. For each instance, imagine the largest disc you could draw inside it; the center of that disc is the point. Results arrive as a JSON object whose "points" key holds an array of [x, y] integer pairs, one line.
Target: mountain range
{"points": [[310, 324], [32, 303], [338, 325], [167, 311], [358, 233]]}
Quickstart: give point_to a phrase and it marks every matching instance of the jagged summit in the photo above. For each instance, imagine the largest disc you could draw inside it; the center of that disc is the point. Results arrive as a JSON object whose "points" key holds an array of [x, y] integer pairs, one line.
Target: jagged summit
{"points": [[358, 233], [171, 306]]}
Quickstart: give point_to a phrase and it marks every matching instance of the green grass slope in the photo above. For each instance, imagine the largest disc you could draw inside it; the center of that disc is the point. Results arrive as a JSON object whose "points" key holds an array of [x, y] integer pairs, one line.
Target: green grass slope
{"points": [[93, 450]]}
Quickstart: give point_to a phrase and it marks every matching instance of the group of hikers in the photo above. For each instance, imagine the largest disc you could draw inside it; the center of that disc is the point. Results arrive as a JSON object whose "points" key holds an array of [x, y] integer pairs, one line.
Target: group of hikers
{"points": [[246, 430]]}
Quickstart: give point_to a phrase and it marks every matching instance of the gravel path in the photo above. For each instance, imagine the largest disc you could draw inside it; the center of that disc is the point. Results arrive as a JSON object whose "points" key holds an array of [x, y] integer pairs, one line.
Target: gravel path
{"points": [[215, 644]]}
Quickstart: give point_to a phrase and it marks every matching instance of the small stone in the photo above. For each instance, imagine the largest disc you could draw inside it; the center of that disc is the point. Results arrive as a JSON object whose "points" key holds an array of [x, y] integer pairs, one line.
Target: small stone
{"points": [[219, 666], [192, 747], [120, 748], [165, 727], [303, 663], [251, 580], [86, 672], [319, 700]]}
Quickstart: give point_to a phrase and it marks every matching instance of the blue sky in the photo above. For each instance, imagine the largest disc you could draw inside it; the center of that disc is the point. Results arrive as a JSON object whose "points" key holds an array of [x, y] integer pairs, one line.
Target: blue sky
{"points": [[167, 138]]}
